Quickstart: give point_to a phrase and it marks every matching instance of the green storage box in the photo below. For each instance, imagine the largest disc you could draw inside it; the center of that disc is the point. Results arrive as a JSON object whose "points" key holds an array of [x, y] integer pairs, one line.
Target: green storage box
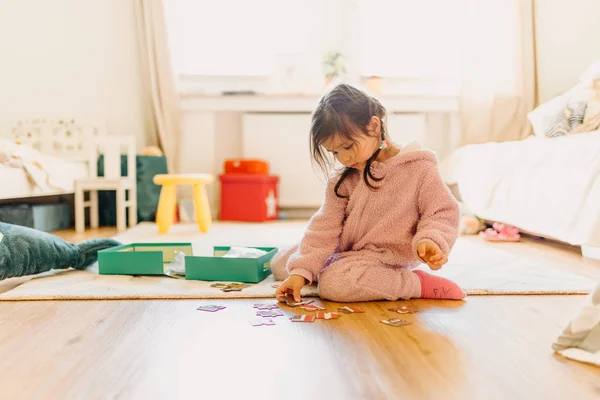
{"points": [[217, 268], [140, 258], [153, 259]]}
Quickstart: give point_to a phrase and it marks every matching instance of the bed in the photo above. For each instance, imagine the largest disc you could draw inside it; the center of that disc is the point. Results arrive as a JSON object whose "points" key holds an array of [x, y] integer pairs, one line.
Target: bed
{"points": [[43, 157], [547, 187]]}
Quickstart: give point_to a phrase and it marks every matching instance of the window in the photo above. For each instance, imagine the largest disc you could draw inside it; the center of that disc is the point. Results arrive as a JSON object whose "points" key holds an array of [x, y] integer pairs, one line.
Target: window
{"points": [[236, 37], [410, 39], [262, 44]]}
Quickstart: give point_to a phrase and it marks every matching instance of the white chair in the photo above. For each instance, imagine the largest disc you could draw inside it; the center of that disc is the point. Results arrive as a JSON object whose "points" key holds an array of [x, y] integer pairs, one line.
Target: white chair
{"points": [[111, 147]]}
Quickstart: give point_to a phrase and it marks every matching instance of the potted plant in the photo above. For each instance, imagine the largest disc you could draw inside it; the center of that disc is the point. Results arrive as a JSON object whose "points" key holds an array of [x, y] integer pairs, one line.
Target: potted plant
{"points": [[333, 65]]}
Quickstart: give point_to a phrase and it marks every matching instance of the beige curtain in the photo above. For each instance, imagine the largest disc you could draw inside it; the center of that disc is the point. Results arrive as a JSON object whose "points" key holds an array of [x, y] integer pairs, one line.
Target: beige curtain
{"points": [[158, 77], [499, 80]]}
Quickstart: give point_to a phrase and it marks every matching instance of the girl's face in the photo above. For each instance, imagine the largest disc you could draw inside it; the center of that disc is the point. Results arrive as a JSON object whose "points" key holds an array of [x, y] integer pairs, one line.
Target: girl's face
{"points": [[355, 152]]}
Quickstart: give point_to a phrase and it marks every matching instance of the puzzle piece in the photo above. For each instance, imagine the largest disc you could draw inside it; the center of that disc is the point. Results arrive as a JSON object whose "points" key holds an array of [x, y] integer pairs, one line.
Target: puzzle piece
{"points": [[231, 287], [210, 308], [261, 321], [312, 307], [266, 306], [292, 303], [327, 315], [269, 313], [395, 322], [239, 285], [303, 318], [403, 310], [350, 310]]}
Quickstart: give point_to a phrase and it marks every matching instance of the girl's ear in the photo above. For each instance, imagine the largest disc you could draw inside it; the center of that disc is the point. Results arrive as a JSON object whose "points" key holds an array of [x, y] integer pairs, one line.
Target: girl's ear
{"points": [[374, 126]]}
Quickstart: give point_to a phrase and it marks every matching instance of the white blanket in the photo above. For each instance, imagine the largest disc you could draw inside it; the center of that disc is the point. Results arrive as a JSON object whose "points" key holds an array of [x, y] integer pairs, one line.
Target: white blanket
{"points": [[549, 187], [46, 173]]}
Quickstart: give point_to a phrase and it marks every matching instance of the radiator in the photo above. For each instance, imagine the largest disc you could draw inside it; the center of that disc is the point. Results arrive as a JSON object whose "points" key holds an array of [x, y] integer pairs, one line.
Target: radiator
{"points": [[283, 141]]}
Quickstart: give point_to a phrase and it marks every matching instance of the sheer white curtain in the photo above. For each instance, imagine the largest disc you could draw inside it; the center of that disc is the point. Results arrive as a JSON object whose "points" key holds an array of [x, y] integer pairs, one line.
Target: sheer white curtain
{"points": [[162, 95], [498, 70]]}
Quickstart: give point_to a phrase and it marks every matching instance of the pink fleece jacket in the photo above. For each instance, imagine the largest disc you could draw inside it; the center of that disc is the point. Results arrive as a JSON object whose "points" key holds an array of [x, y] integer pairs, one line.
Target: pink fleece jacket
{"points": [[412, 204]]}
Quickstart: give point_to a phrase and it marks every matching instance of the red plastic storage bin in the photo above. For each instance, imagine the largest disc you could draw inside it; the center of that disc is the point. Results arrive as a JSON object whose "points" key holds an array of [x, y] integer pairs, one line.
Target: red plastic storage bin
{"points": [[246, 166], [249, 197]]}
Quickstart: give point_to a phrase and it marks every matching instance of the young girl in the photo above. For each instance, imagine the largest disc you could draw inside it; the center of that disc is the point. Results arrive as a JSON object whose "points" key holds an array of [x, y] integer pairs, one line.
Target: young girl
{"points": [[383, 215]]}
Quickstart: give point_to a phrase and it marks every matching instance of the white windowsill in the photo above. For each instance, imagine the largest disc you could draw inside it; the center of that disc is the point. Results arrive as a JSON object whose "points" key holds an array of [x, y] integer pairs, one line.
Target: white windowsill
{"points": [[307, 102]]}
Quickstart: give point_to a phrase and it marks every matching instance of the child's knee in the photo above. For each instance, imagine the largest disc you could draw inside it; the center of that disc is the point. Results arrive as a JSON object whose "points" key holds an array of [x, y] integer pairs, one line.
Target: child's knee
{"points": [[335, 287]]}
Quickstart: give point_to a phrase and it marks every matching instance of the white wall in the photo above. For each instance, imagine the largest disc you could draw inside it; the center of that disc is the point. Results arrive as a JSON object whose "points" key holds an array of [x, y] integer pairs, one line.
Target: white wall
{"points": [[71, 58], [568, 41]]}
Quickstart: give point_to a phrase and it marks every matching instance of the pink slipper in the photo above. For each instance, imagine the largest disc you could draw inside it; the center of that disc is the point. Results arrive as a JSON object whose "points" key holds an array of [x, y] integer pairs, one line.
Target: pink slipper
{"points": [[501, 233]]}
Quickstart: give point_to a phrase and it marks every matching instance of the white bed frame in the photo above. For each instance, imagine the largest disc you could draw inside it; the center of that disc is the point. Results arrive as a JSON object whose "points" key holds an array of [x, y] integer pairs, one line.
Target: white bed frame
{"points": [[64, 138]]}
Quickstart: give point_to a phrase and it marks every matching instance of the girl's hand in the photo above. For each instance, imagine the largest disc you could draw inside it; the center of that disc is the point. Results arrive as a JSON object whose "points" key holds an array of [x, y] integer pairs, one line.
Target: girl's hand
{"points": [[293, 284], [431, 254]]}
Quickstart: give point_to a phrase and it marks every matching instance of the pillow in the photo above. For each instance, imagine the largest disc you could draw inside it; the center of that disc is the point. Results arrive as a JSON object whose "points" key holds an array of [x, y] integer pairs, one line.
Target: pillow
{"points": [[27, 251], [549, 119], [559, 116]]}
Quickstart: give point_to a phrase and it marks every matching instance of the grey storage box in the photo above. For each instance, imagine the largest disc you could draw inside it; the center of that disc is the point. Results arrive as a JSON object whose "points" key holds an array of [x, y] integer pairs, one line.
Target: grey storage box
{"points": [[44, 217]]}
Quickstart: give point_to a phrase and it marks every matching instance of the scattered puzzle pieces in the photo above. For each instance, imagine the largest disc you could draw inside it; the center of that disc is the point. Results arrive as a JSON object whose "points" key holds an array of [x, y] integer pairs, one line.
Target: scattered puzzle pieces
{"points": [[350, 310], [210, 308], [289, 300], [230, 287], [403, 310], [327, 315], [269, 313], [303, 318], [395, 322], [261, 322]]}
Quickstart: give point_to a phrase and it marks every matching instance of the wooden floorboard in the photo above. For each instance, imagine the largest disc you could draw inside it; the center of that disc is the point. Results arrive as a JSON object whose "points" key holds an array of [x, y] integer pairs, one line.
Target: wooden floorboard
{"points": [[487, 347]]}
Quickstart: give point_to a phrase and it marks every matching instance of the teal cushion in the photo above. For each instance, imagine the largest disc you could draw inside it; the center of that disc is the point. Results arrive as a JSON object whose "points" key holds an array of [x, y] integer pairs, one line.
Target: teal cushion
{"points": [[27, 251]]}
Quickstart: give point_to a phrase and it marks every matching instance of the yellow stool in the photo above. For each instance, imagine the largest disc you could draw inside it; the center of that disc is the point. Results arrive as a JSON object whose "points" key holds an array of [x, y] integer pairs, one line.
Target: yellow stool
{"points": [[166, 203]]}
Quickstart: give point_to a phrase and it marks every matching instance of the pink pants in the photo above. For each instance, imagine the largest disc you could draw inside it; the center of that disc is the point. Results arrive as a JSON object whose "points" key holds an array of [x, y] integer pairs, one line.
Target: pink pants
{"points": [[356, 276]]}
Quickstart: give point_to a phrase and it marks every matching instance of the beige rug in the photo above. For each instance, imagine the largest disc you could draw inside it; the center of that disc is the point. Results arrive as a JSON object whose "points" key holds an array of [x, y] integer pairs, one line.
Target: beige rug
{"points": [[479, 268]]}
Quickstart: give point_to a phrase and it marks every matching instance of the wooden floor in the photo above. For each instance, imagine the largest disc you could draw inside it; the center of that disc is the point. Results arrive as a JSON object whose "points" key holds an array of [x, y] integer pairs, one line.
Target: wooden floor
{"points": [[487, 347]]}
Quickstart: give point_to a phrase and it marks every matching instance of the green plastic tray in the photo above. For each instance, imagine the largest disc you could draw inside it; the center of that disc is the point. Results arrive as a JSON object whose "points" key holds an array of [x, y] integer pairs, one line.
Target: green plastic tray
{"points": [[217, 268], [140, 258], [153, 259]]}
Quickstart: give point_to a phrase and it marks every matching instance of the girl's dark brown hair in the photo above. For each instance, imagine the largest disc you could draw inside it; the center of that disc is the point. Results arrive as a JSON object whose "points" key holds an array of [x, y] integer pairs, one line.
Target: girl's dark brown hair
{"points": [[344, 111]]}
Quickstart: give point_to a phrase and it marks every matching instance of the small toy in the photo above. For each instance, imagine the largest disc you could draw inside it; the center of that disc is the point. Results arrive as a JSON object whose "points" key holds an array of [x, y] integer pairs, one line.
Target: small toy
{"points": [[501, 233]]}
